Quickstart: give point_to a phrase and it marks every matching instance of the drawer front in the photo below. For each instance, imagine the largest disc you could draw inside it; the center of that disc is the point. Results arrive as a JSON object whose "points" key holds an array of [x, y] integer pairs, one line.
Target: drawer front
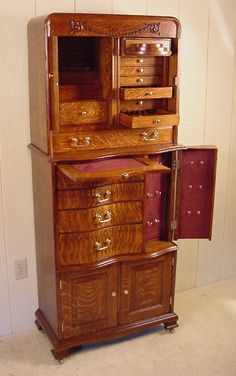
{"points": [[138, 104], [147, 46], [98, 245], [146, 93], [141, 81], [140, 71], [107, 139], [139, 121], [82, 112], [97, 218], [86, 198], [140, 61]]}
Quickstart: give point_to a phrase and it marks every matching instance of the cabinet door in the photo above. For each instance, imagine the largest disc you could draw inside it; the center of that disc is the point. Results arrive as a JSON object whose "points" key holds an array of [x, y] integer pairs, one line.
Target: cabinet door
{"points": [[146, 288], [195, 193], [88, 301]]}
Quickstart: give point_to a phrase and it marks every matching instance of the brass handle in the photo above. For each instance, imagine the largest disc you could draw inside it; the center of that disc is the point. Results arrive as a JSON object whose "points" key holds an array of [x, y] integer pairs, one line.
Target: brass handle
{"points": [[139, 60], [139, 80], [106, 197], [83, 113], [100, 247], [82, 142], [113, 294], [149, 93], [140, 70], [140, 103], [152, 137], [125, 176], [156, 121], [126, 292], [106, 217]]}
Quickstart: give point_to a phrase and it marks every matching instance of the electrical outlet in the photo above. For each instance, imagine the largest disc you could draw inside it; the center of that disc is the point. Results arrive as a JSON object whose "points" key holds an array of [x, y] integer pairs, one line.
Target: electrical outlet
{"points": [[21, 269]]}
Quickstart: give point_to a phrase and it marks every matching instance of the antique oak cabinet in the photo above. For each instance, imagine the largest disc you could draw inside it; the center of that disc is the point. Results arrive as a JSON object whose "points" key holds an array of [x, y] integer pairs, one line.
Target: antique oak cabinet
{"points": [[112, 186]]}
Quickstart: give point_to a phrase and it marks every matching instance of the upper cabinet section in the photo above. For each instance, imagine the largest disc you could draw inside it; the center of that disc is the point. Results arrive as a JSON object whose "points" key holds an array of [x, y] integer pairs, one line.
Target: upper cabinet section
{"points": [[103, 73]]}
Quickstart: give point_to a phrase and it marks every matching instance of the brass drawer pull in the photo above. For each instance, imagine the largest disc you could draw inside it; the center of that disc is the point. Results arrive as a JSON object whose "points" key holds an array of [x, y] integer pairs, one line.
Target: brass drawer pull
{"points": [[139, 80], [82, 142], [113, 294], [157, 121], [106, 197], [126, 292], [152, 137], [140, 103], [104, 246], [106, 217], [83, 113], [139, 60], [149, 93], [139, 70]]}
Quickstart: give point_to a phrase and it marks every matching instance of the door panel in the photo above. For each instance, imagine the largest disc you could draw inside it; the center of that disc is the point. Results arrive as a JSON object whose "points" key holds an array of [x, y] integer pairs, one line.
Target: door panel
{"points": [[89, 301], [146, 288], [195, 193]]}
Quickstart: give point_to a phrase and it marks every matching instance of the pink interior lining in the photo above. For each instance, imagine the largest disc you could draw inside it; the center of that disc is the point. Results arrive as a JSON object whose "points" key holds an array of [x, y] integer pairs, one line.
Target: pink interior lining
{"points": [[108, 165]]}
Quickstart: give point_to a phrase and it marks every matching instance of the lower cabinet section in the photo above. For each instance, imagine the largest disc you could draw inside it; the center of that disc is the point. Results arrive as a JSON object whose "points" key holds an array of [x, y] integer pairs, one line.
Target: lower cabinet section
{"points": [[89, 301], [146, 288], [116, 295]]}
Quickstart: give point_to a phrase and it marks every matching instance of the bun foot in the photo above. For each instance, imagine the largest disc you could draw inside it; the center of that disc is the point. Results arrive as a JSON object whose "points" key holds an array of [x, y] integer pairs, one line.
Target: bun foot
{"points": [[60, 354]]}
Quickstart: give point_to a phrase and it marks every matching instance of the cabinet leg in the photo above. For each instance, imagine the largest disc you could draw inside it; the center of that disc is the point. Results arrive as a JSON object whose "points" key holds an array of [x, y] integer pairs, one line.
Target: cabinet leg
{"points": [[171, 326], [38, 325], [60, 354]]}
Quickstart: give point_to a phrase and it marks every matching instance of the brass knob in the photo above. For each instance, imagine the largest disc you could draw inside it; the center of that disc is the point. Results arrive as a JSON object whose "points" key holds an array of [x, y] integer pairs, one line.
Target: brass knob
{"points": [[113, 294], [140, 70], [149, 93], [125, 176], [83, 113], [140, 61], [140, 103], [126, 292], [139, 80], [157, 121]]}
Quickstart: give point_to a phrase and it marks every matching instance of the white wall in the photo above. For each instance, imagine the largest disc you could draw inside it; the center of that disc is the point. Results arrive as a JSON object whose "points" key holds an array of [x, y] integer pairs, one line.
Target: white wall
{"points": [[208, 116]]}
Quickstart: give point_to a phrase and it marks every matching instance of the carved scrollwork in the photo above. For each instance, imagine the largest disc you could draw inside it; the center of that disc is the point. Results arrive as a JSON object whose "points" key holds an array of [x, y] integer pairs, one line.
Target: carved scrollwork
{"points": [[115, 30], [76, 26]]}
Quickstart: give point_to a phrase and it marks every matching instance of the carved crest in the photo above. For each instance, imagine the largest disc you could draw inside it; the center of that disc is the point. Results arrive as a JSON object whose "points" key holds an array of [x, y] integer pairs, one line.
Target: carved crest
{"points": [[115, 30]]}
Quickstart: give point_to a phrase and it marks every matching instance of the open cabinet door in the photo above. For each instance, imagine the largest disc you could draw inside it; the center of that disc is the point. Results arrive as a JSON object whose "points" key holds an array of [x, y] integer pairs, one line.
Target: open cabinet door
{"points": [[195, 192]]}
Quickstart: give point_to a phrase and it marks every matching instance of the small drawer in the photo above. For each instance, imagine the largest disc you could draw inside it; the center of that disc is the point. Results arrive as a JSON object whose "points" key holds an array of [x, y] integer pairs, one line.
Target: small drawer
{"points": [[141, 61], [141, 81], [138, 104], [138, 119], [146, 46], [98, 245], [82, 112], [140, 71], [97, 218], [86, 198], [146, 93]]}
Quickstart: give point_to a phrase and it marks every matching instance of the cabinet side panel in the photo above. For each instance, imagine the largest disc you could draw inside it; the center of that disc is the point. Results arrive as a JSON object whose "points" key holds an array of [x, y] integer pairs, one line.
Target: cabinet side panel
{"points": [[44, 237], [38, 85]]}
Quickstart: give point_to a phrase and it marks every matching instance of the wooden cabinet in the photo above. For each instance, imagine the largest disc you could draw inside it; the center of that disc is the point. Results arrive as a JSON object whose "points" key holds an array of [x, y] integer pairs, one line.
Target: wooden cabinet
{"points": [[112, 187]]}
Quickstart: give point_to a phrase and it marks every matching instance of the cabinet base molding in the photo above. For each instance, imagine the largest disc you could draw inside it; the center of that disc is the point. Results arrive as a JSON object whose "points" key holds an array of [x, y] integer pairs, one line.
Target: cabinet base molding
{"points": [[61, 347]]}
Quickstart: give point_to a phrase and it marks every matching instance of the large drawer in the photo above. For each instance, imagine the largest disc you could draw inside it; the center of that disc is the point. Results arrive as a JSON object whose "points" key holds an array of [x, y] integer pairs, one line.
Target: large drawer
{"points": [[82, 112], [98, 245], [97, 218], [76, 141], [86, 198]]}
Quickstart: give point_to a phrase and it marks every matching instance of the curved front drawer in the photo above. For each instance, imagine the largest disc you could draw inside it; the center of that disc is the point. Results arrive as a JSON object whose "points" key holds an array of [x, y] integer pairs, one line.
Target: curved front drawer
{"points": [[97, 218], [87, 198], [98, 245], [64, 142]]}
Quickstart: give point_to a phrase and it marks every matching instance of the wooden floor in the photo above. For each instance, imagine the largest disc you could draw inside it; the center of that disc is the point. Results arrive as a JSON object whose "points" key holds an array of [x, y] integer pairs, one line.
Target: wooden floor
{"points": [[204, 344]]}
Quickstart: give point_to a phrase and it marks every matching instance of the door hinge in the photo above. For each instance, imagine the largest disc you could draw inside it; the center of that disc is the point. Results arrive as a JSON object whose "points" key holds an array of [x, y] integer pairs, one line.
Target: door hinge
{"points": [[60, 284], [176, 81], [173, 224], [171, 300], [176, 165], [173, 262], [62, 327]]}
